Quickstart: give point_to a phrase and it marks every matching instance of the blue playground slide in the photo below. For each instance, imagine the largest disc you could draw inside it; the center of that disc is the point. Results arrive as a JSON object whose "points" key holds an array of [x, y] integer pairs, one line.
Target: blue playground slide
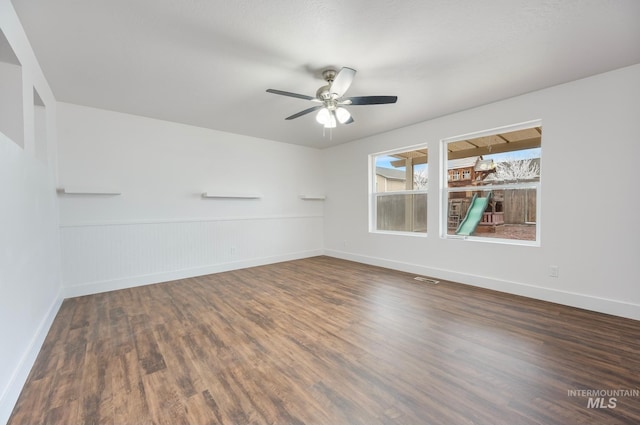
{"points": [[473, 216]]}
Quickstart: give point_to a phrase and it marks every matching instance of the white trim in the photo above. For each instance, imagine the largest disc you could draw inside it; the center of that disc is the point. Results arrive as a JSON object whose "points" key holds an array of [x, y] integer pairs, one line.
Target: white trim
{"points": [[187, 220], [399, 233], [402, 192], [11, 391], [91, 288], [572, 299], [371, 200], [501, 241], [409, 148]]}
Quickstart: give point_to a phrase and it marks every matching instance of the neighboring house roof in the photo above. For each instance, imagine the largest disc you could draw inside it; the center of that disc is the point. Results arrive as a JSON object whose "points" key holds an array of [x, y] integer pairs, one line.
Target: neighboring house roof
{"points": [[390, 173]]}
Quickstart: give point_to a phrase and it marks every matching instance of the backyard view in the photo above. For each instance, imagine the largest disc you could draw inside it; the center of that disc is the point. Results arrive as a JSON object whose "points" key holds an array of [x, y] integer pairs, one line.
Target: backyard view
{"points": [[401, 191], [492, 187], [493, 184]]}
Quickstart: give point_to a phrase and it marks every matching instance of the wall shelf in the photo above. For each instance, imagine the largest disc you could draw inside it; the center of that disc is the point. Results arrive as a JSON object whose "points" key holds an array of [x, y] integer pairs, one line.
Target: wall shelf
{"points": [[213, 195], [78, 191], [313, 197]]}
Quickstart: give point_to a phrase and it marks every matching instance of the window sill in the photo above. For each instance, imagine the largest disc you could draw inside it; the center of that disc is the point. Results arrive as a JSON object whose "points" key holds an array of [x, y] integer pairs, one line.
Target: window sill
{"points": [[398, 233], [499, 241]]}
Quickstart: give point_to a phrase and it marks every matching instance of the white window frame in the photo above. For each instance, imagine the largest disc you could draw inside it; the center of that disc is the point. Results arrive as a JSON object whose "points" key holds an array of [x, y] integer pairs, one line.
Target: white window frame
{"points": [[445, 189], [373, 194]]}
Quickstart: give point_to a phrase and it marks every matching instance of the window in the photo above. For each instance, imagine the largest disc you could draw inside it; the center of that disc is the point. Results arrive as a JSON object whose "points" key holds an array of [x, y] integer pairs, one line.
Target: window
{"points": [[498, 196], [399, 191], [11, 118]]}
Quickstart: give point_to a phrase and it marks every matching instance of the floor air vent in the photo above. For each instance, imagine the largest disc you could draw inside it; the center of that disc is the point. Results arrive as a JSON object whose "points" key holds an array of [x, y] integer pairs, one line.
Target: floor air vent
{"points": [[426, 279]]}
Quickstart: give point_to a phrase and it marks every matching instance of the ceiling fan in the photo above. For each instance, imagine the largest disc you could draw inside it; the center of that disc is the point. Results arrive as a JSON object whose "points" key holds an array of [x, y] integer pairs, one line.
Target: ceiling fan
{"points": [[331, 108]]}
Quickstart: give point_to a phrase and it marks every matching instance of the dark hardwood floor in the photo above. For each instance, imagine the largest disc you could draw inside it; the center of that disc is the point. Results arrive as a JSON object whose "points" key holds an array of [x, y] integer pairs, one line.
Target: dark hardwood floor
{"points": [[327, 341]]}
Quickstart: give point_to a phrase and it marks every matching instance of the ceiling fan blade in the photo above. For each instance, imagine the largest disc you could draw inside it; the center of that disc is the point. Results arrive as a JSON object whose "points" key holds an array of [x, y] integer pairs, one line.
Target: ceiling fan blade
{"points": [[343, 81], [305, 112], [349, 121], [370, 100], [288, 93]]}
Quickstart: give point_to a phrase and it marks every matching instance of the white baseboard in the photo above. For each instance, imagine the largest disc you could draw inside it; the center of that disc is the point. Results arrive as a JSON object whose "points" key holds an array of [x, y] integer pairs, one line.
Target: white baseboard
{"points": [[587, 302], [133, 281], [11, 391]]}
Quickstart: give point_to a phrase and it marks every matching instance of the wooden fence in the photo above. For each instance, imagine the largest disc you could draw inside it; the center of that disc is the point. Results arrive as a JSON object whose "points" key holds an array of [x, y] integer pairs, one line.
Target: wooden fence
{"points": [[519, 206], [402, 212]]}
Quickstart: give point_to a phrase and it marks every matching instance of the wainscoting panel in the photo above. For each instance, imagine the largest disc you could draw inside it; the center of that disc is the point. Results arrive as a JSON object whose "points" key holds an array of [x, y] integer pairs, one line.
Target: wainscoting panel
{"points": [[98, 257]]}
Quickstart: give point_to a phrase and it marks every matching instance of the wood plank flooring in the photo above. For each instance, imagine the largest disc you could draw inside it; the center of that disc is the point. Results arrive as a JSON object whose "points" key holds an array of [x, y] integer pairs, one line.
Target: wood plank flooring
{"points": [[327, 341]]}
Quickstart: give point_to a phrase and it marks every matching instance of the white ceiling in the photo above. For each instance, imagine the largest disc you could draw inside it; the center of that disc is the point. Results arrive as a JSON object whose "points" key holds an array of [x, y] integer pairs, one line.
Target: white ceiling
{"points": [[208, 62]]}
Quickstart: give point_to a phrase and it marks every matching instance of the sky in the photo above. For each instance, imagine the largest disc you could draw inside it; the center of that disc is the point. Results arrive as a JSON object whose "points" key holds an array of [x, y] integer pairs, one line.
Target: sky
{"points": [[521, 154]]}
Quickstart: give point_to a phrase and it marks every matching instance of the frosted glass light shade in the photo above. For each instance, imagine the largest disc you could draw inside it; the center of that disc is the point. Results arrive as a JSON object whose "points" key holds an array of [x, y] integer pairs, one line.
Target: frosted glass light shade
{"points": [[323, 116], [331, 122], [342, 115]]}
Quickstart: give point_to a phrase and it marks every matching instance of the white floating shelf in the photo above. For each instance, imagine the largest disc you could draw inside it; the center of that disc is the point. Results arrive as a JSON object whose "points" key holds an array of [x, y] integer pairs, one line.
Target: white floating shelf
{"points": [[313, 197], [78, 191], [231, 195]]}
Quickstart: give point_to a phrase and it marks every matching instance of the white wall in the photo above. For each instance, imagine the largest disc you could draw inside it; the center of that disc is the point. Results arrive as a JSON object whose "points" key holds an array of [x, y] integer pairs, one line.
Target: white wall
{"points": [[160, 228], [590, 154], [29, 241], [11, 122]]}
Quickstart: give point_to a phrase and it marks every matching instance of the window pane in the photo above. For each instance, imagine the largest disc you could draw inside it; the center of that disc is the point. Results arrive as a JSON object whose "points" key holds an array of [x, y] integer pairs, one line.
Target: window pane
{"points": [[402, 212], [399, 191], [391, 171], [503, 213], [492, 184]]}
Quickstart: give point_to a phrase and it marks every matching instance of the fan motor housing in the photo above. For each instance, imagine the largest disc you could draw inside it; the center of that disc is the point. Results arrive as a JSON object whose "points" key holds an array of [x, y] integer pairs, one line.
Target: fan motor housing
{"points": [[329, 75], [323, 92]]}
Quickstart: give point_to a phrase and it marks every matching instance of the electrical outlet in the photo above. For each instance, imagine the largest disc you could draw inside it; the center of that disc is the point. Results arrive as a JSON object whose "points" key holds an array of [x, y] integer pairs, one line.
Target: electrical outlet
{"points": [[554, 271]]}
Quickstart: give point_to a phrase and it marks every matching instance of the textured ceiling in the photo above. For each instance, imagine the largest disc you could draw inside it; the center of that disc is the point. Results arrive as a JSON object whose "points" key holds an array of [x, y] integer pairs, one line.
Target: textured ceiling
{"points": [[208, 63]]}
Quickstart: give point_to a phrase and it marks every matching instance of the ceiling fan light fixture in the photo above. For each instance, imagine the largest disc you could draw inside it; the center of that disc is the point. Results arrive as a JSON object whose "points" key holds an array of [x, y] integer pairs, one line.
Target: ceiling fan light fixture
{"points": [[330, 118], [330, 99], [331, 122], [323, 116], [342, 115]]}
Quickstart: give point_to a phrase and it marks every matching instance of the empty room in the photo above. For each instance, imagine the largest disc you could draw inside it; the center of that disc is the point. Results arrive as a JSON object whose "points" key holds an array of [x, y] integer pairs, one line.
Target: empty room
{"points": [[319, 212]]}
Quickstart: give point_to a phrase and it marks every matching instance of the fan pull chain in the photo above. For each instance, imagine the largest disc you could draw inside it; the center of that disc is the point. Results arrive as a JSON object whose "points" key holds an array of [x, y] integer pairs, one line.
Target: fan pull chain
{"points": [[324, 132]]}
